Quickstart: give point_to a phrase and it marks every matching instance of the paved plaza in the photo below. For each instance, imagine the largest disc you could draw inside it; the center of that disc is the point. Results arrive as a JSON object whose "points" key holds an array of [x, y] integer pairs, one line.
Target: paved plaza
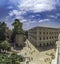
{"points": [[34, 56]]}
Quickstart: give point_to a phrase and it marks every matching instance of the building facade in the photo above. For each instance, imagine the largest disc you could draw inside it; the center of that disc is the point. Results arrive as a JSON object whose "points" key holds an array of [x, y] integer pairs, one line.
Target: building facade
{"points": [[40, 36]]}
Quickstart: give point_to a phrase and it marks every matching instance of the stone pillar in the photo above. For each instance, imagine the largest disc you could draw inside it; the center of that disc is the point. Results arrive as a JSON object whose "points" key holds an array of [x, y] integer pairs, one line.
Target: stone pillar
{"points": [[58, 42], [19, 39], [37, 36], [59, 37], [58, 48]]}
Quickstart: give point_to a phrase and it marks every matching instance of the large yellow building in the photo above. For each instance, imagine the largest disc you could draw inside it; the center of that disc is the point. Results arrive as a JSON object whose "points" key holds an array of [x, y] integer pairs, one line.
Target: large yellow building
{"points": [[40, 36]]}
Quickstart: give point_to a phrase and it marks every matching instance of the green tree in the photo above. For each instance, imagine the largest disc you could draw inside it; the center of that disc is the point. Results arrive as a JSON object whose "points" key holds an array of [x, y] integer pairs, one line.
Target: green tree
{"points": [[12, 58], [5, 46], [2, 31], [16, 59]]}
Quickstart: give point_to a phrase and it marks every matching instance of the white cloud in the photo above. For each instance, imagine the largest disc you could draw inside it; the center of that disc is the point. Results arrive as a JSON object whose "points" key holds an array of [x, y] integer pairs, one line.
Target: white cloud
{"points": [[14, 12], [17, 14], [58, 14], [14, 2], [37, 5], [10, 13], [44, 20], [53, 16], [10, 7], [33, 5], [6, 18]]}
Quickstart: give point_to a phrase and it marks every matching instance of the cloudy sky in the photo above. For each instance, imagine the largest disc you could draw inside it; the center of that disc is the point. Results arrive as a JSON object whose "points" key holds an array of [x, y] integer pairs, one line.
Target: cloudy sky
{"points": [[31, 12]]}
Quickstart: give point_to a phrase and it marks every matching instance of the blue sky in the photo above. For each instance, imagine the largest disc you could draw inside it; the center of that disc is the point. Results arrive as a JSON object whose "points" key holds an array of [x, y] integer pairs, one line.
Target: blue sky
{"points": [[31, 12]]}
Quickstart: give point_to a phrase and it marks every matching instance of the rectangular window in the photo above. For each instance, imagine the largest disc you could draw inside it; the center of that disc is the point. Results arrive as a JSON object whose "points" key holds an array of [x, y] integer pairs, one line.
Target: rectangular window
{"points": [[52, 32], [43, 38], [40, 38], [50, 37], [47, 38], [47, 33], [40, 32], [55, 36], [43, 32]]}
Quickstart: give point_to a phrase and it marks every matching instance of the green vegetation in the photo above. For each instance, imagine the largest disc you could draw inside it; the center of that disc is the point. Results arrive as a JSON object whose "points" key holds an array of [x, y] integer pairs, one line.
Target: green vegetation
{"points": [[10, 58], [16, 30], [5, 55], [2, 31], [5, 46]]}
